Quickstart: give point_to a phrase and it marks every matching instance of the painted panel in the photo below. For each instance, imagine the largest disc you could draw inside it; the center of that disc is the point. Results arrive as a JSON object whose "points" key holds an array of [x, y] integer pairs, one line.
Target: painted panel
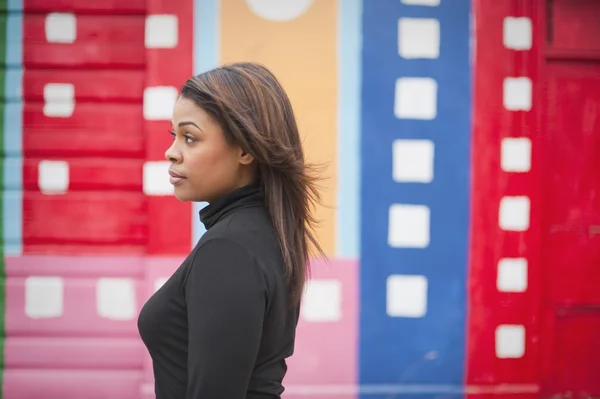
{"points": [[574, 25], [415, 195], [570, 226]]}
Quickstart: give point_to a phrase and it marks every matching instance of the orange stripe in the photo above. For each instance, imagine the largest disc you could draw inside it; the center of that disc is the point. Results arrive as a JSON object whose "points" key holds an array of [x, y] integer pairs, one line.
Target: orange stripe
{"points": [[302, 53]]}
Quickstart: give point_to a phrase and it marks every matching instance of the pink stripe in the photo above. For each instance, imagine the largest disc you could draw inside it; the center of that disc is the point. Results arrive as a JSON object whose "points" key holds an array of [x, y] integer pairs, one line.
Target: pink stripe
{"points": [[43, 353], [326, 353]]}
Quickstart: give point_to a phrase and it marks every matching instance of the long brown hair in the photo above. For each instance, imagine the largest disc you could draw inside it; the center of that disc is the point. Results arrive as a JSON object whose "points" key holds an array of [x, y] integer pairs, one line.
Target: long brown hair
{"points": [[256, 114]]}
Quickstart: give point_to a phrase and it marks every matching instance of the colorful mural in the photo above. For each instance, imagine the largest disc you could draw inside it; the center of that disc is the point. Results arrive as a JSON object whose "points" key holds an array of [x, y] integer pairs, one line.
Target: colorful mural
{"points": [[417, 108]]}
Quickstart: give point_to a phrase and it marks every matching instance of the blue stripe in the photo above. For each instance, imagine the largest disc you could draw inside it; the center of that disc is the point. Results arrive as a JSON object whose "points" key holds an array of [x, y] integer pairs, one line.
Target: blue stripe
{"points": [[206, 57], [12, 214], [430, 349], [349, 45]]}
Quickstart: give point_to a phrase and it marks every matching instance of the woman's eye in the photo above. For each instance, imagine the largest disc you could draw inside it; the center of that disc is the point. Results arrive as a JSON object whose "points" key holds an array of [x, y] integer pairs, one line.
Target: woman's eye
{"points": [[172, 133], [189, 139]]}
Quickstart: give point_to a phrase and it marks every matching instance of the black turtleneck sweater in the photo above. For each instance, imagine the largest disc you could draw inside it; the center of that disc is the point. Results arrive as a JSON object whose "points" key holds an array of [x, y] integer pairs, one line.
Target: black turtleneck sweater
{"points": [[221, 327]]}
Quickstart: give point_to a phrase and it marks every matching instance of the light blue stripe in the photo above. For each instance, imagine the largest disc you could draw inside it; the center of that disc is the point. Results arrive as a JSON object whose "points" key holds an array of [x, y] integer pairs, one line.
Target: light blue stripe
{"points": [[206, 57], [13, 88], [206, 35], [348, 193], [12, 222], [13, 177], [12, 213], [14, 35], [13, 129], [15, 5]]}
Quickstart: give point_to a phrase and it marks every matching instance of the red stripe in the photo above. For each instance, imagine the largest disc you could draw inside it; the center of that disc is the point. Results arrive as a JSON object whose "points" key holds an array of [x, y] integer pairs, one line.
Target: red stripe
{"points": [[489, 308], [170, 223]]}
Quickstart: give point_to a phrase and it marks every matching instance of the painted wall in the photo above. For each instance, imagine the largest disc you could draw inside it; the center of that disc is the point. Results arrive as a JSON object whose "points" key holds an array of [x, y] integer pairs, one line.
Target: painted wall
{"points": [[382, 91]]}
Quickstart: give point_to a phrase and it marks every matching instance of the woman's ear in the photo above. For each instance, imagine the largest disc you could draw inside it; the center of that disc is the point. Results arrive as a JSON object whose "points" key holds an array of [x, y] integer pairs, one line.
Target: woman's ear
{"points": [[245, 158]]}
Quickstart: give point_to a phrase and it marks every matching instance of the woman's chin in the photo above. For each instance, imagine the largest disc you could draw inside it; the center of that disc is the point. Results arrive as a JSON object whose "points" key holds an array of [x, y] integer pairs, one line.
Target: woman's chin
{"points": [[181, 195]]}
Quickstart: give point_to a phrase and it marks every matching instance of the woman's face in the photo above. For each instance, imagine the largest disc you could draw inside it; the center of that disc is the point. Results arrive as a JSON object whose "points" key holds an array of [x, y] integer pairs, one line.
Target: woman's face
{"points": [[204, 165]]}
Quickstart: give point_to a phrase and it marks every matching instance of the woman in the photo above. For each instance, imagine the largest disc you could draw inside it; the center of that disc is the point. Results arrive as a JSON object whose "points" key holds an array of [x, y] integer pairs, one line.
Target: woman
{"points": [[224, 323]]}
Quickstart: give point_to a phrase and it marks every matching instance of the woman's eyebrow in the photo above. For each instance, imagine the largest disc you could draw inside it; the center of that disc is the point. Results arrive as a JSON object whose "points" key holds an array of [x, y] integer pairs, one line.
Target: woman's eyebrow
{"points": [[185, 123]]}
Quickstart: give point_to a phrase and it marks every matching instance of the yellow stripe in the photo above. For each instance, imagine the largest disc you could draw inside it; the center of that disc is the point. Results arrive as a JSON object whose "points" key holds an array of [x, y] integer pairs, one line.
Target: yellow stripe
{"points": [[302, 54]]}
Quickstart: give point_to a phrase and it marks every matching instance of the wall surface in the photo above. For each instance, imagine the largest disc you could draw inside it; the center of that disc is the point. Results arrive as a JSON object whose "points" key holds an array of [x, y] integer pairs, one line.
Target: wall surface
{"points": [[386, 93]]}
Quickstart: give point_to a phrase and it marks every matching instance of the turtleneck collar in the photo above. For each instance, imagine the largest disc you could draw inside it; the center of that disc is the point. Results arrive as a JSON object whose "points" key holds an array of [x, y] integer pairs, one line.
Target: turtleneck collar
{"points": [[242, 197]]}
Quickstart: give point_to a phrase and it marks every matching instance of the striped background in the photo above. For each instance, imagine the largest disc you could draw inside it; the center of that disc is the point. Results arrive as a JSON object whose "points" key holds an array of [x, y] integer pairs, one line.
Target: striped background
{"points": [[382, 92]]}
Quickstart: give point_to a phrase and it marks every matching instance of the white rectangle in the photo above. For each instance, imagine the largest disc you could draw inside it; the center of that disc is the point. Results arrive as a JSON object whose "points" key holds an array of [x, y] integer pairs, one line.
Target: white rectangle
{"points": [[53, 177], [44, 297], [419, 38], [156, 178], [408, 226], [406, 296], [516, 154], [517, 94], [514, 213], [510, 341], [115, 298], [517, 33], [322, 301], [159, 102], [59, 100], [60, 28], [429, 3], [413, 161], [161, 31], [415, 98], [512, 275]]}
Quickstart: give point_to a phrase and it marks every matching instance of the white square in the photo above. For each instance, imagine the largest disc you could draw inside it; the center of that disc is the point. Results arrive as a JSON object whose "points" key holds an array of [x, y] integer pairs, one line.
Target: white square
{"points": [[161, 31], [516, 154], [413, 161], [61, 27], [115, 298], [408, 226], [510, 341], [59, 100], [415, 98], [430, 3], [514, 213], [406, 296], [517, 94], [156, 178], [53, 177], [419, 38], [159, 102], [517, 33], [322, 301], [512, 275], [44, 297]]}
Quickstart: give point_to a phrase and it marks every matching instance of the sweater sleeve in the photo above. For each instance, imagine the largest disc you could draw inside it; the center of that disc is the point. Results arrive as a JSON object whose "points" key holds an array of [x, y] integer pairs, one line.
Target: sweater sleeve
{"points": [[226, 297]]}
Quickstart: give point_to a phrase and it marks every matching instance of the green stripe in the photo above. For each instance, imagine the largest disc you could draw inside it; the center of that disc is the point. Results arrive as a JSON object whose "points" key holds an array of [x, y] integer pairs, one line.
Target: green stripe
{"points": [[3, 35]]}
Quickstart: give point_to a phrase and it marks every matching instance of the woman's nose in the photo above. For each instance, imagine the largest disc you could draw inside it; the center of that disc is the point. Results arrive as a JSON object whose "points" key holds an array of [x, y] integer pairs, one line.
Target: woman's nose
{"points": [[172, 154]]}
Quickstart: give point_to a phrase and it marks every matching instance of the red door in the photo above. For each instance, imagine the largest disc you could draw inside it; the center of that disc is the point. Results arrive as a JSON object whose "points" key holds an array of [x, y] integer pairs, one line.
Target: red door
{"points": [[570, 163]]}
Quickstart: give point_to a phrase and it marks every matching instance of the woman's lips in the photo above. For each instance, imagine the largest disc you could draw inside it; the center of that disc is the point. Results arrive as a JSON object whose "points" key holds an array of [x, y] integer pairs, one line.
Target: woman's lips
{"points": [[175, 178]]}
